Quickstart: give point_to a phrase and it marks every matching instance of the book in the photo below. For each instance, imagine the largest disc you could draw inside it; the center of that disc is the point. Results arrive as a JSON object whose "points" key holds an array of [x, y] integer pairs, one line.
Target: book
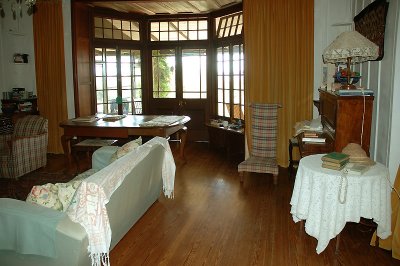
{"points": [[339, 167], [310, 134], [86, 119], [96, 142], [112, 118], [335, 164], [357, 168], [313, 139], [335, 157]]}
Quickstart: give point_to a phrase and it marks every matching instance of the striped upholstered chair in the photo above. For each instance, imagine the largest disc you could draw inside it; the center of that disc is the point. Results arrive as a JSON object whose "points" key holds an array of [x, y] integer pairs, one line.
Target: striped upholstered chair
{"points": [[262, 159], [25, 149]]}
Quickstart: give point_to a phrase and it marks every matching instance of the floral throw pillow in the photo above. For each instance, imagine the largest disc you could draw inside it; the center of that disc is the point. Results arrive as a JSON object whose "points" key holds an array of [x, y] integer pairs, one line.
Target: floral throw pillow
{"points": [[45, 195], [127, 147], [55, 196], [66, 192]]}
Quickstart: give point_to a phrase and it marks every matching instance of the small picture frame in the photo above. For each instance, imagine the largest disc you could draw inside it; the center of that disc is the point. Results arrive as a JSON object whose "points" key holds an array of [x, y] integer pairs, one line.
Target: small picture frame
{"points": [[20, 58]]}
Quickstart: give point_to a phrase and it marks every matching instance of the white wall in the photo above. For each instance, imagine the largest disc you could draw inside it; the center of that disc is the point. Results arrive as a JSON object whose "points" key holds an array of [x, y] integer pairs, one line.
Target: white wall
{"points": [[394, 149], [68, 58], [16, 37], [335, 16]]}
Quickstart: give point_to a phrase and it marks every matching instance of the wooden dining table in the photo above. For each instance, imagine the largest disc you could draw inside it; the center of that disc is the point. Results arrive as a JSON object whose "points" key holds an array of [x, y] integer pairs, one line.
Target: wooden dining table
{"points": [[126, 127]]}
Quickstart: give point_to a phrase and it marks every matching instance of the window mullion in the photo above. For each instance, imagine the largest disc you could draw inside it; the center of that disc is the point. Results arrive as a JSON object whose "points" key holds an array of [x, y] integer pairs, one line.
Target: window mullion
{"points": [[231, 94], [119, 81]]}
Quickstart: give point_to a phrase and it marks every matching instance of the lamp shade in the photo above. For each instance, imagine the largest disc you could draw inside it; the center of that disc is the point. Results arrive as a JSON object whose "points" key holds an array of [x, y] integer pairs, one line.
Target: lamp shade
{"points": [[350, 44]]}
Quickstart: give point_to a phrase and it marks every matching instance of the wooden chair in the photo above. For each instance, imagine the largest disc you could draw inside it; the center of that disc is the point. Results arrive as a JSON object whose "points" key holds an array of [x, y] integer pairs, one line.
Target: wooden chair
{"points": [[262, 159]]}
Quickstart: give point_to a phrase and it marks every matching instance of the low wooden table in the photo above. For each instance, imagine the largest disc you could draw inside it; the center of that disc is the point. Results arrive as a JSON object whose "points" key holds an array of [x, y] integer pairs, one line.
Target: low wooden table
{"points": [[230, 140], [126, 127]]}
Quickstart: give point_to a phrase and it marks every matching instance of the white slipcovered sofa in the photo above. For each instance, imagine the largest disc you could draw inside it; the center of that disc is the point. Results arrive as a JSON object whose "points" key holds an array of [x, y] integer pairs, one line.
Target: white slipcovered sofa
{"points": [[51, 235]]}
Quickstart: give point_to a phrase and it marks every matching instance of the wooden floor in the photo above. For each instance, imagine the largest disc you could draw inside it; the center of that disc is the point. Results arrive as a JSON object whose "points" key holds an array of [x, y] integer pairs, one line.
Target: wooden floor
{"points": [[215, 220]]}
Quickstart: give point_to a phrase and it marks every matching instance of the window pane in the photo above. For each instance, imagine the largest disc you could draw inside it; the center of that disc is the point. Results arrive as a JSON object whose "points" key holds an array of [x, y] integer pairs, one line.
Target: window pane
{"points": [[220, 109], [230, 83], [99, 83], [98, 33], [230, 25], [154, 26], [98, 22], [203, 35], [163, 62], [126, 83], [227, 96], [108, 85], [183, 25], [194, 69], [163, 26], [126, 25], [179, 30], [116, 29], [126, 35], [118, 34], [193, 25], [173, 36], [108, 33]]}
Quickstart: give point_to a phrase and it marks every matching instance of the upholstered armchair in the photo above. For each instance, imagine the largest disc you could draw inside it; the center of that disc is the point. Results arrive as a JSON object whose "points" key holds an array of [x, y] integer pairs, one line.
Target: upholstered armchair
{"points": [[25, 149]]}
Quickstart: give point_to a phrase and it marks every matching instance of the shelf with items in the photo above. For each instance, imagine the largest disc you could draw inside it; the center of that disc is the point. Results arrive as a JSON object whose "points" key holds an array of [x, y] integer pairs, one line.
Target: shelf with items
{"points": [[11, 107]]}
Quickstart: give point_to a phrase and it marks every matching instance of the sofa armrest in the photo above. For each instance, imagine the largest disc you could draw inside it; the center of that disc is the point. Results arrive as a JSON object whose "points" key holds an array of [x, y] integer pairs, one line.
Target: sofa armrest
{"points": [[101, 157], [29, 227], [70, 239]]}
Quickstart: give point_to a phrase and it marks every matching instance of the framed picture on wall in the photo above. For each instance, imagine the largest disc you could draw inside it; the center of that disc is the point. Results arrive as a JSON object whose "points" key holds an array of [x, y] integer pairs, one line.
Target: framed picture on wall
{"points": [[371, 22]]}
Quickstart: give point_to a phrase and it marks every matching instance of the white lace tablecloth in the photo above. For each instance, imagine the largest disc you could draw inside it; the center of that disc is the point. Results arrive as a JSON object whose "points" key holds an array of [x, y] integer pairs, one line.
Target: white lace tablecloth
{"points": [[315, 199]]}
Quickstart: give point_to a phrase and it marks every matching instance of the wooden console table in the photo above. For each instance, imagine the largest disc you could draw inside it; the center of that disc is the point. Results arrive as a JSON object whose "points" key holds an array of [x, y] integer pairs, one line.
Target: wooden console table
{"points": [[229, 140], [124, 128]]}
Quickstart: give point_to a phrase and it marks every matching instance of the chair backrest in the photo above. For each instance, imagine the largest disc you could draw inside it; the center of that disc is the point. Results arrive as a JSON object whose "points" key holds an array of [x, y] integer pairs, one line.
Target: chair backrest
{"points": [[30, 125], [264, 127]]}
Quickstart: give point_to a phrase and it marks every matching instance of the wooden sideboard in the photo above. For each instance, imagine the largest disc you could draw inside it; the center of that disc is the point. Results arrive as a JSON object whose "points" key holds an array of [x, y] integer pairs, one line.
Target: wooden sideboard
{"points": [[346, 119], [228, 140]]}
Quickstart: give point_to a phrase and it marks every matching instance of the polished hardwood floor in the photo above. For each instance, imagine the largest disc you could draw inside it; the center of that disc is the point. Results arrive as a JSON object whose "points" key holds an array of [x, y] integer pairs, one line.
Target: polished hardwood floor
{"points": [[216, 220]]}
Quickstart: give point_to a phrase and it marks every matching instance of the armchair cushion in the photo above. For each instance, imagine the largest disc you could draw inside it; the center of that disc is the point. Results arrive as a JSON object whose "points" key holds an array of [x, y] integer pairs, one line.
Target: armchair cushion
{"points": [[30, 125], [26, 149]]}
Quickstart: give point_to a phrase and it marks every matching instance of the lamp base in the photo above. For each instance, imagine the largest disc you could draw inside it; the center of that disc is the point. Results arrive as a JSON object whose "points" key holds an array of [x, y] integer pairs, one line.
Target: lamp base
{"points": [[347, 87]]}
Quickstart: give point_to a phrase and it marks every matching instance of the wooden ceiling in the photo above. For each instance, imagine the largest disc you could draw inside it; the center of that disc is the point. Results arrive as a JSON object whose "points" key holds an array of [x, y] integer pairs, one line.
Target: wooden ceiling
{"points": [[157, 7]]}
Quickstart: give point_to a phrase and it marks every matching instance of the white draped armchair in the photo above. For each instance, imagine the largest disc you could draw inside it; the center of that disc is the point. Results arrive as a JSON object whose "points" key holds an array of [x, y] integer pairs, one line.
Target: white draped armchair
{"points": [[24, 150]]}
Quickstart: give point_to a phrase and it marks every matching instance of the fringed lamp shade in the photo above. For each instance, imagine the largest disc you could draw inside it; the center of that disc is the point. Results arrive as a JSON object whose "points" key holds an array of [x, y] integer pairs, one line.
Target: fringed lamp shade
{"points": [[350, 44], [350, 47]]}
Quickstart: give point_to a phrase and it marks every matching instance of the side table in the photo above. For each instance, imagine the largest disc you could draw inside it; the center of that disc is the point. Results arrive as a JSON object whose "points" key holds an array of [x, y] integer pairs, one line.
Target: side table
{"points": [[293, 142], [316, 193]]}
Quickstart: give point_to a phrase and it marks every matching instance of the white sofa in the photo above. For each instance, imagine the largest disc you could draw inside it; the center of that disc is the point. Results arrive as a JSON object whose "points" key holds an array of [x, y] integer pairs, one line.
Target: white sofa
{"points": [[140, 188]]}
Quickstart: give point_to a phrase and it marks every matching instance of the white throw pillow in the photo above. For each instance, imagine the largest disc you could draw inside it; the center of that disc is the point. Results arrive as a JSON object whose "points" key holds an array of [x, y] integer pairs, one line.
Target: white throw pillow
{"points": [[127, 147]]}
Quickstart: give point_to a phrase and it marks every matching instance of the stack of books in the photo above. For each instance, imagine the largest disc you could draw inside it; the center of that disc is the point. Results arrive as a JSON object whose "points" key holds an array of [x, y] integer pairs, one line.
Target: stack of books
{"points": [[356, 92], [312, 137], [335, 160], [357, 168]]}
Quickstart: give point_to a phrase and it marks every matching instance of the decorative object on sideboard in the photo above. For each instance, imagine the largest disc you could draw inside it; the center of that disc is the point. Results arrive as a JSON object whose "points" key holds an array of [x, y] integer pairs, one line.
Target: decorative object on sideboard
{"points": [[371, 21], [350, 47], [16, 8]]}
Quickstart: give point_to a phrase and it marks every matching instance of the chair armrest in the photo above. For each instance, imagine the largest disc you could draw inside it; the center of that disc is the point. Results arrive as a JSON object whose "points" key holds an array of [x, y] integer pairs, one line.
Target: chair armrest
{"points": [[24, 148]]}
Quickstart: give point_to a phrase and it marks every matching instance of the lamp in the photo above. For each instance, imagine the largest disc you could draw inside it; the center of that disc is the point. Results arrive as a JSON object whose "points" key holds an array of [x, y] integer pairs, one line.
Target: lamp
{"points": [[350, 47]]}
